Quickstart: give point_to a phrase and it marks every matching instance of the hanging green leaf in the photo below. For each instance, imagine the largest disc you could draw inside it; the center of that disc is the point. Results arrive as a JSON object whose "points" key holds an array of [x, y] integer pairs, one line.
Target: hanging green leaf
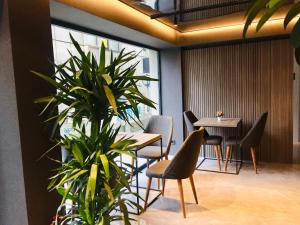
{"points": [[297, 55], [273, 7], [78, 73], [253, 11], [105, 164], [81, 88], [109, 192], [77, 154], [295, 36], [91, 186], [107, 78], [292, 13], [273, 3], [111, 98]]}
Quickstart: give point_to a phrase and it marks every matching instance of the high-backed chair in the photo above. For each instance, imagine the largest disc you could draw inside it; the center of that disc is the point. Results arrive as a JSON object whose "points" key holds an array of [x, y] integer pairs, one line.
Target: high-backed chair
{"points": [[250, 141], [213, 140], [181, 167], [158, 125]]}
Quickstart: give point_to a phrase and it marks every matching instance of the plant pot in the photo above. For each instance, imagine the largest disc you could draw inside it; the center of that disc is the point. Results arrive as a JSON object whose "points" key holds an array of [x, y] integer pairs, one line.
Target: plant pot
{"points": [[219, 118]]}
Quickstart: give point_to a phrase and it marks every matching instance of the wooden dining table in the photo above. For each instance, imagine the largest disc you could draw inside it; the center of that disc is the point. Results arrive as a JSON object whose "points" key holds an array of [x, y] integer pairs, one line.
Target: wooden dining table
{"points": [[142, 140], [224, 123]]}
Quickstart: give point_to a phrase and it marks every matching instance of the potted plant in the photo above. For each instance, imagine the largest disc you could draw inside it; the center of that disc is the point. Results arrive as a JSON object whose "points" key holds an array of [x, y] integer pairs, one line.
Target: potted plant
{"points": [[91, 182]]}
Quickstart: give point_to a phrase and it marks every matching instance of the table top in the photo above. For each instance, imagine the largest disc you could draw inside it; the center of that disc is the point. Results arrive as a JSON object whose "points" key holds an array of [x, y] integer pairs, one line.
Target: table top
{"points": [[143, 139], [213, 122]]}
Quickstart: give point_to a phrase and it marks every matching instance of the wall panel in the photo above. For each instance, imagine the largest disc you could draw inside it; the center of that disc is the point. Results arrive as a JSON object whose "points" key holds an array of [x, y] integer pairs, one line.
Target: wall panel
{"points": [[244, 80]]}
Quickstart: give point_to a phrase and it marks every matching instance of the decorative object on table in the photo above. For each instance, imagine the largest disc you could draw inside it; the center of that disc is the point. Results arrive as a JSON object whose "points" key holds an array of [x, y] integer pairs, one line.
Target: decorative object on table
{"points": [[220, 114], [91, 182]]}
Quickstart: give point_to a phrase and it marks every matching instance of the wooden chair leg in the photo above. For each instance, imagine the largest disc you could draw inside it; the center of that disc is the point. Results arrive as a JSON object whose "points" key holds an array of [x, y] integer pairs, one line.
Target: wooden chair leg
{"points": [[147, 192], [158, 180], [181, 197], [228, 153], [163, 187], [220, 151], [166, 157], [253, 154], [217, 156], [194, 189]]}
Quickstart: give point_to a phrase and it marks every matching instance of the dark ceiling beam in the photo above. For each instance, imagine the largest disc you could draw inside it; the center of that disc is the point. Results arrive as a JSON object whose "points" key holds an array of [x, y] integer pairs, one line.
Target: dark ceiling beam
{"points": [[197, 9]]}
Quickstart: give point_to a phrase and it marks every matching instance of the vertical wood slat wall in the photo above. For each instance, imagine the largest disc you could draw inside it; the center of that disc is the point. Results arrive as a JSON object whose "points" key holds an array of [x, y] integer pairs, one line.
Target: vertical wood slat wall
{"points": [[244, 80]]}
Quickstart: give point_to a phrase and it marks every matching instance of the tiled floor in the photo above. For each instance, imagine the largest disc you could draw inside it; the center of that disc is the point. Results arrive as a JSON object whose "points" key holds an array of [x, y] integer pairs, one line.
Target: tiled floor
{"points": [[270, 197]]}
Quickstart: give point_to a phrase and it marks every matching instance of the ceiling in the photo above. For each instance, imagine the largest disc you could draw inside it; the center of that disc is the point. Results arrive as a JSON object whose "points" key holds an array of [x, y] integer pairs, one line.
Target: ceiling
{"points": [[81, 18], [182, 15], [192, 28]]}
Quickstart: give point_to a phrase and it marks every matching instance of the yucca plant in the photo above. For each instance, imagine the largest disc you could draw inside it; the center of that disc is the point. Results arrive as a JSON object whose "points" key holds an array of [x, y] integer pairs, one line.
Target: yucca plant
{"points": [[91, 182], [268, 8]]}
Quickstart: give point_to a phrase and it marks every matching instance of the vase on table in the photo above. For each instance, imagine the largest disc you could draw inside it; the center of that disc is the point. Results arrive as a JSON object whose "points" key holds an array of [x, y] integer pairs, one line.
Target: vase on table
{"points": [[219, 115]]}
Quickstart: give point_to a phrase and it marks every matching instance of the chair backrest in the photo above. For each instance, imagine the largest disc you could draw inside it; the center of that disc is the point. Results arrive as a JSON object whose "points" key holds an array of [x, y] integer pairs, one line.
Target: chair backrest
{"points": [[184, 162], [189, 119], [254, 135], [161, 125]]}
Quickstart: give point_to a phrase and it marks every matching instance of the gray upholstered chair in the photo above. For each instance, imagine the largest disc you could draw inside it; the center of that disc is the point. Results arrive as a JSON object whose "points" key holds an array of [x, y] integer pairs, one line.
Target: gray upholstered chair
{"points": [[213, 140], [158, 125], [250, 141], [181, 167]]}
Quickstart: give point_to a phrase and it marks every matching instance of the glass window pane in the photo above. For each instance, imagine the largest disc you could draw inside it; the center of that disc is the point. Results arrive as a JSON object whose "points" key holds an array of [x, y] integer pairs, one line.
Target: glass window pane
{"points": [[61, 34], [90, 40], [62, 53]]}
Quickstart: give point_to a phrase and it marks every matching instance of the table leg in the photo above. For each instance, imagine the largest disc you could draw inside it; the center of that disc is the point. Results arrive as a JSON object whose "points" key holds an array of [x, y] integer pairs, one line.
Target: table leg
{"points": [[161, 156], [137, 183], [161, 149], [236, 150], [121, 160], [241, 134]]}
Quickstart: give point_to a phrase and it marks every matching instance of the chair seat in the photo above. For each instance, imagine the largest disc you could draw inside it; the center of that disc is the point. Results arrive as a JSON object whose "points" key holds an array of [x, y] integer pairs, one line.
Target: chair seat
{"points": [[232, 141], [158, 169], [213, 140], [151, 152]]}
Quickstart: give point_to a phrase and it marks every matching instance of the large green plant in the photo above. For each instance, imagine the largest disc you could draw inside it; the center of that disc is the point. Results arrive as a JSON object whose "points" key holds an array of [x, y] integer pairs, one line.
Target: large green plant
{"points": [[267, 8], [91, 182]]}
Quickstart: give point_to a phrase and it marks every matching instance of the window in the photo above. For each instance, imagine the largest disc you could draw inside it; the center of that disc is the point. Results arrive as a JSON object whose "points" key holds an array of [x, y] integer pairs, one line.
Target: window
{"points": [[148, 65]]}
